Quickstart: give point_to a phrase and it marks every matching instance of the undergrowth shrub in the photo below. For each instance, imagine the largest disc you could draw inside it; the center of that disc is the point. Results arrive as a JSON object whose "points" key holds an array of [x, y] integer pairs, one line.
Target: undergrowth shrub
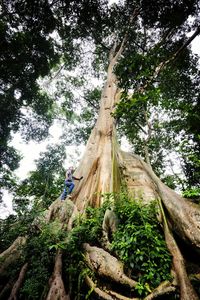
{"points": [[193, 194], [88, 229], [140, 244], [40, 256]]}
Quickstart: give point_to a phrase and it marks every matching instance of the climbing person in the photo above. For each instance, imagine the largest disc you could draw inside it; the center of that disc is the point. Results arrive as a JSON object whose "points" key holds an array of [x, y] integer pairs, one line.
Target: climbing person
{"points": [[69, 183]]}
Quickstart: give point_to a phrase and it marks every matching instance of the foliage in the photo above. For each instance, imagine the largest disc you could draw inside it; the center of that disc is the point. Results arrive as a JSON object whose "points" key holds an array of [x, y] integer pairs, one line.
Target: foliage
{"points": [[88, 229], [38, 251], [30, 51], [40, 256], [190, 155], [8, 232], [34, 194], [27, 52], [161, 116], [192, 194], [7, 179], [45, 183], [139, 243], [90, 225], [77, 131], [161, 112], [17, 225]]}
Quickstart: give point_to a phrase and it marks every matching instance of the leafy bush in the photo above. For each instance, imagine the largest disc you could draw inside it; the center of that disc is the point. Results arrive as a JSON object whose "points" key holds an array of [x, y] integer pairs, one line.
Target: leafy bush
{"points": [[11, 228], [193, 193], [40, 256], [88, 229], [140, 245], [138, 242]]}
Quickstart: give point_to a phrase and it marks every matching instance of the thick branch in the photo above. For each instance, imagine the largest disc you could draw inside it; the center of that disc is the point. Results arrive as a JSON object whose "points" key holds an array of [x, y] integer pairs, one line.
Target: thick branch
{"points": [[163, 289], [186, 289], [18, 283], [197, 32], [132, 18], [118, 296], [57, 289], [105, 294], [163, 64], [178, 208], [97, 290], [106, 265], [11, 254]]}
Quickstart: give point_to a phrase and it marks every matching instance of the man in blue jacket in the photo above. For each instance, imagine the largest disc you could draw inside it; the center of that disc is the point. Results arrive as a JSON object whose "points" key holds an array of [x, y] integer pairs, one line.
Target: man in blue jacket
{"points": [[69, 183]]}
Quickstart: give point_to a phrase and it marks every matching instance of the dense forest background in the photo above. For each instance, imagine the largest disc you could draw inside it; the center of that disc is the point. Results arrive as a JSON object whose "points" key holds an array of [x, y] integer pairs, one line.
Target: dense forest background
{"points": [[103, 72]]}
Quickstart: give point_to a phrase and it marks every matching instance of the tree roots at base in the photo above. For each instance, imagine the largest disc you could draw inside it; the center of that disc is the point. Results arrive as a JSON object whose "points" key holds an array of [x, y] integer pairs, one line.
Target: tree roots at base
{"points": [[57, 289], [100, 261]]}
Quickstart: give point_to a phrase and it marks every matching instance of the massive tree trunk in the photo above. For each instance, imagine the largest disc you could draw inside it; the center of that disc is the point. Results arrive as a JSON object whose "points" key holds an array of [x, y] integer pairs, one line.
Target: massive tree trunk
{"points": [[96, 164], [103, 167]]}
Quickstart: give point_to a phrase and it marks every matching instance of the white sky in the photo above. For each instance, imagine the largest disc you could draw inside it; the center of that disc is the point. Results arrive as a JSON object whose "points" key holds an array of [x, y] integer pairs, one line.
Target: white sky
{"points": [[31, 150], [196, 45]]}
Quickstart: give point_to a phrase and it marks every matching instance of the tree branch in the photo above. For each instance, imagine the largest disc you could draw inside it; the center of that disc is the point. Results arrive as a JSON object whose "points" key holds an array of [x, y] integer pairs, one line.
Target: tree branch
{"points": [[57, 288], [140, 127], [105, 294], [92, 104], [12, 253], [132, 18], [18, 283], [186, 289], [98, 291], [107, 265], [166, 35], [163, 64], [163, 289]]}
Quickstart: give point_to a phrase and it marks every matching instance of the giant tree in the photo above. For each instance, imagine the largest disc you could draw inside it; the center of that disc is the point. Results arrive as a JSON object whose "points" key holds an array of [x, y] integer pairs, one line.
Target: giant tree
{"points": [[86, 234]]}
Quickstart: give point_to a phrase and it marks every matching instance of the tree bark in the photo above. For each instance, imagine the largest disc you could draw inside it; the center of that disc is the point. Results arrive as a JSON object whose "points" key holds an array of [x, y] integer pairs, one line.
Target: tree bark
{"points": [[96, 164], [18, 283], [106, 265], [103, 161], [57, 289], [5, 290], [184, 214], [12, 254]]}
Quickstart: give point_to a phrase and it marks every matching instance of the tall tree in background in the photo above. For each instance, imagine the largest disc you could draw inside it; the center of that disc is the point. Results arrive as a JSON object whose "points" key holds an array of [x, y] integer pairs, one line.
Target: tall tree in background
{"points": [[146, 45]]}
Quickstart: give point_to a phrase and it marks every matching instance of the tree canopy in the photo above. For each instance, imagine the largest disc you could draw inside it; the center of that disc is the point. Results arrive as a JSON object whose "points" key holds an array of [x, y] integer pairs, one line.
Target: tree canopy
{"points": [[158, 73]]}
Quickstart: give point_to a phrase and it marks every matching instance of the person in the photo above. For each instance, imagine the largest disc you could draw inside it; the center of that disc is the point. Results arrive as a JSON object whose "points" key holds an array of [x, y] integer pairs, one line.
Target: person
{"points": [[69, 183]]}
